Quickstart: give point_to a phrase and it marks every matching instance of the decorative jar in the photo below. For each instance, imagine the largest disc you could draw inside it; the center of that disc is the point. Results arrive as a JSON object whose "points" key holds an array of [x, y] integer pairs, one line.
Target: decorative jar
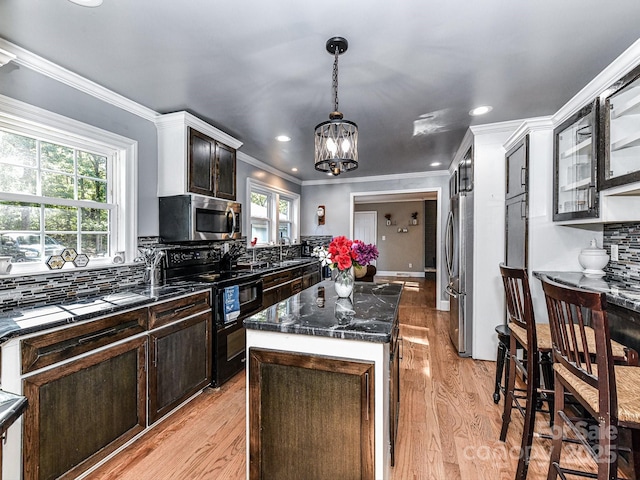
{"points": [[593, 259]]}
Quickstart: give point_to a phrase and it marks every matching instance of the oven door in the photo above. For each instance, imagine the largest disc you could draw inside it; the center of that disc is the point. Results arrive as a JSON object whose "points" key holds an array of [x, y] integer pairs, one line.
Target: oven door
{"points": [[250, 297], [229, 352]]}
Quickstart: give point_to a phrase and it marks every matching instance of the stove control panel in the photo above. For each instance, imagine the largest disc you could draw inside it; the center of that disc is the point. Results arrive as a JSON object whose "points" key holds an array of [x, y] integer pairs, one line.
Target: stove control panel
{"points": [[183, 258]]}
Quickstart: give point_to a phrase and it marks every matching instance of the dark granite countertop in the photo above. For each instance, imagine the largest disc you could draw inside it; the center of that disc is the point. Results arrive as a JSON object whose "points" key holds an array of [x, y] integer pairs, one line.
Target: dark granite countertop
{"points": [[269, 268], [621, 292], [30, 320], [317, 311], [11, 407]]}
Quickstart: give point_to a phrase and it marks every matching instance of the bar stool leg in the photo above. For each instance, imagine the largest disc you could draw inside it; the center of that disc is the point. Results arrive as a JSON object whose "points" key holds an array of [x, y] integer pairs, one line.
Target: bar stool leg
{"points": [[503, 348], [509, 393], [533, 382], [635, 446]]}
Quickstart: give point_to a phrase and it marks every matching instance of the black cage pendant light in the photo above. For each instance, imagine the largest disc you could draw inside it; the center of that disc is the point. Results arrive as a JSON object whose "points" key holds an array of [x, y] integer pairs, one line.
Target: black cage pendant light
{"points": [[336, 140]]}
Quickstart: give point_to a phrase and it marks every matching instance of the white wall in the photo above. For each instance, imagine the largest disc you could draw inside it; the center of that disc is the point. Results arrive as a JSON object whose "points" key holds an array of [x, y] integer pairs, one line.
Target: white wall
{"points": [[335, 195]]}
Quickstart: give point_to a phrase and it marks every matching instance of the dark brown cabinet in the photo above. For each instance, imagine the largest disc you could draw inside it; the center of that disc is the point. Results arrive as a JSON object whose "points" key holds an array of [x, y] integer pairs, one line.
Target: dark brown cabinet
{"points": [[225, 172], [202, 163], [180, 352], [307, 409], [211, 166], [81, 411], [281, 285], [394, 389]]}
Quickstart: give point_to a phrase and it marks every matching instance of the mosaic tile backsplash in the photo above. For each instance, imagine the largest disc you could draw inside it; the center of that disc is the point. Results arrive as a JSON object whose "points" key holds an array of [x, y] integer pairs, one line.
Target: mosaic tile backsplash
{"points": [[627, 237], [40, 289], [49, 288]]}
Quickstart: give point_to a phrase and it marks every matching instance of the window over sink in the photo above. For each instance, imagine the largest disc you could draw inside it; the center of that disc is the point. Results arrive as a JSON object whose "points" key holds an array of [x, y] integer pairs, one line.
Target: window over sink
{"points": [[63, 184], [274, 214]]}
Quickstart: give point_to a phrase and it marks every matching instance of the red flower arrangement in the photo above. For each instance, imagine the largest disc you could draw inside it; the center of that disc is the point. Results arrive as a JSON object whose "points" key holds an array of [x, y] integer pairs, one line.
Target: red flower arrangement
{"points": [[344, 253], [342, 256]]}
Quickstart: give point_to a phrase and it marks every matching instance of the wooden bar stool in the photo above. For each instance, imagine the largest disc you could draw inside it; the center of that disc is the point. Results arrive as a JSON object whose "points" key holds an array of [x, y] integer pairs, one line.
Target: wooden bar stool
{"points": [[535, 342], [584, 366]]}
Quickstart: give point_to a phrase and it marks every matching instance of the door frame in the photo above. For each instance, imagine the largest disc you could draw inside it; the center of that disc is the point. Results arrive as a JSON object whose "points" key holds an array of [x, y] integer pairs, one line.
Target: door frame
{"points": [[440, 303]]}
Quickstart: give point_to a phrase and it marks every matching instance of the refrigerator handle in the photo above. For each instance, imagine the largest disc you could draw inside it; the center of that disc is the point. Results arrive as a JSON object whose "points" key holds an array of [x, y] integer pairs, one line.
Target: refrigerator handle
{"points": [[523, 208], [449, 232]]}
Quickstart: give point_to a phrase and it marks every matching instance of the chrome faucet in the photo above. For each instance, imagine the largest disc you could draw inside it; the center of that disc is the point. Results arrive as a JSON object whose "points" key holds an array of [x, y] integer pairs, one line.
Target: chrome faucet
{"points": [[285, 241]]}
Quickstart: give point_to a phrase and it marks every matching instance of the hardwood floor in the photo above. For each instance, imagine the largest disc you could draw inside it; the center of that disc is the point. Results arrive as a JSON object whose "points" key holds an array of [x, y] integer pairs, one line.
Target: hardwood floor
{"points": [[448, 428]]}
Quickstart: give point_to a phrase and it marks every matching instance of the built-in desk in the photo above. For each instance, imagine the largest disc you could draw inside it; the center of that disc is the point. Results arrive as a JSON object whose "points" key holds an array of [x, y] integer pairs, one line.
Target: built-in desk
{"points": [[623, 302]]}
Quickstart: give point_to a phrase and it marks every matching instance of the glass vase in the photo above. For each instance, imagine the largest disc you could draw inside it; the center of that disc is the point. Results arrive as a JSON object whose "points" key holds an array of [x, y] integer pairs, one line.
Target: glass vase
{"points": [[344, 283]]}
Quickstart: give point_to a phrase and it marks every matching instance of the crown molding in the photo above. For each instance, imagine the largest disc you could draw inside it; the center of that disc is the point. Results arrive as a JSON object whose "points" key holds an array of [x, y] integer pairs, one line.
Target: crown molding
{"points": [[498, 127], [263, 166], [6, 57], [607, 77], [56, 72], [181, 119], [380, 178], [528, 125]]}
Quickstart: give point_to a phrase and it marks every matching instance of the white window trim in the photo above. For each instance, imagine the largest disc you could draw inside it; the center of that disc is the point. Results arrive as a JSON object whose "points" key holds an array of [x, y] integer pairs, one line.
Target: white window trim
{"points": [[253, 184], [27, 119]]}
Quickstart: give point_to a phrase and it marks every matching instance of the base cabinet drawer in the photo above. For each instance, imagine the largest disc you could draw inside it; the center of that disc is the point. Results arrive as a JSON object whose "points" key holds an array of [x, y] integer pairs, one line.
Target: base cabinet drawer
{"points": [[63, 436], [54, 347]]}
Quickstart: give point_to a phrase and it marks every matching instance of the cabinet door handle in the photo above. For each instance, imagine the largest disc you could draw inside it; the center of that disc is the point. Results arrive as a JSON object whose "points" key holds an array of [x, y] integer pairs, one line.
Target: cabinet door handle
{"points": [[186, 307], [523, 176], [155, 352], [401, 340], [591, 196], [103, 333]]}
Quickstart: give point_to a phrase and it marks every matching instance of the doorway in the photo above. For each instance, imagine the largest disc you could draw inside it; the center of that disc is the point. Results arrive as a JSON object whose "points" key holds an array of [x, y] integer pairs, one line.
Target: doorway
{"points": [[365, 227], [406, 195]]}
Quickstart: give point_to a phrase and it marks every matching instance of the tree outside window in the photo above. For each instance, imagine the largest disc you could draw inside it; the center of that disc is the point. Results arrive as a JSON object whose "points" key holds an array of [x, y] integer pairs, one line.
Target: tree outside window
{"points": [[274, 214], [52, 197]]}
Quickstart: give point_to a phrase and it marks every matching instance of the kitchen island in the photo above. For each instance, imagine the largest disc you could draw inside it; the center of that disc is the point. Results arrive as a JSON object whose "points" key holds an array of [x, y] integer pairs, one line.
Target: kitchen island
{"points": [[322, 384]]}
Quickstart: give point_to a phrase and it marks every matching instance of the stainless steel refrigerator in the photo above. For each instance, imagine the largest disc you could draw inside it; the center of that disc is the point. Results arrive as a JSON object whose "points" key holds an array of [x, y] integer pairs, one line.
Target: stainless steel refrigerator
{"points": [[459, 255]]}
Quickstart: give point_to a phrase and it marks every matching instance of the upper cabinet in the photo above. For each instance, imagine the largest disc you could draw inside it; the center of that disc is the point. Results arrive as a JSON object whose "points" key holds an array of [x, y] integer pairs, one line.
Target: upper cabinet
{"points": [[194, 157], [574, 165], [620, 141]]}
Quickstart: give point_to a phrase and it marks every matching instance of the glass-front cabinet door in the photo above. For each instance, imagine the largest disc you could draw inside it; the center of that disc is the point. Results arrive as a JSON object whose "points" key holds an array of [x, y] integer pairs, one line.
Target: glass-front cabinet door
{"points": [[620, 146], [575, 153]]}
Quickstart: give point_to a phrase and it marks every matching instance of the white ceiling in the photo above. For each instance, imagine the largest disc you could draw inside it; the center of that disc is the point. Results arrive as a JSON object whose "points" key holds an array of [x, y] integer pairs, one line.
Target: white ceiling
{"points": [[257, 69]]}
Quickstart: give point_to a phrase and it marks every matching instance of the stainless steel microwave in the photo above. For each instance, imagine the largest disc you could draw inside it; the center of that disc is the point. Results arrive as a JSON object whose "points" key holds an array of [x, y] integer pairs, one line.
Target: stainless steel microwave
{"points": [[192, 217]]}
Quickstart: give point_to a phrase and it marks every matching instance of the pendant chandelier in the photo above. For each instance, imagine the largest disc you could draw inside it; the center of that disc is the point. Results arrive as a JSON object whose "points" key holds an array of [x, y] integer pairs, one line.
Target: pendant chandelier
{"points": [[336, 140]]}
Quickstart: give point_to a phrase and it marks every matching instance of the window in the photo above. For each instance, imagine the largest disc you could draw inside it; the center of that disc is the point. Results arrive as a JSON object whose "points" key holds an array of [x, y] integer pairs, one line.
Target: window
{"points": [[274, 214], [62, 188]]}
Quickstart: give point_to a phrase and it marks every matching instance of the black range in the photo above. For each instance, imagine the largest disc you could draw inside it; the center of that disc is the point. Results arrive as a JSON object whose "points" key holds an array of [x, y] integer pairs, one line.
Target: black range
{"points": [[201, 266]]}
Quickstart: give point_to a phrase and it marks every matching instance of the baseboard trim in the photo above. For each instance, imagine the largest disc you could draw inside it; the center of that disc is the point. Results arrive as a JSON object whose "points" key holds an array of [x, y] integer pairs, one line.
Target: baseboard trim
{"points": [[390, 273]]}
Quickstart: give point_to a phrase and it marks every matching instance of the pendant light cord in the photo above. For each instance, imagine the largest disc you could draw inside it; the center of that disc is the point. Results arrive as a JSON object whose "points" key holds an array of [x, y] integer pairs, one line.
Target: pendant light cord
{"points": [[335, 80]]}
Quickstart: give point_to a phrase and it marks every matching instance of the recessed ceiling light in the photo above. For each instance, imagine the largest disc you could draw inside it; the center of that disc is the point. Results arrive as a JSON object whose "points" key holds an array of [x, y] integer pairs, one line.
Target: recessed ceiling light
{"points": [[480, 110], [294, 169], [283, 138], [87, 3], [436, 164]]}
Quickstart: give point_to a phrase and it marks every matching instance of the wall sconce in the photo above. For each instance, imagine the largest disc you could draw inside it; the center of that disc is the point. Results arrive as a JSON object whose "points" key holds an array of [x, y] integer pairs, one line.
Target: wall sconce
{"points": [[320, 213], [388, 217], [414, 218]]}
